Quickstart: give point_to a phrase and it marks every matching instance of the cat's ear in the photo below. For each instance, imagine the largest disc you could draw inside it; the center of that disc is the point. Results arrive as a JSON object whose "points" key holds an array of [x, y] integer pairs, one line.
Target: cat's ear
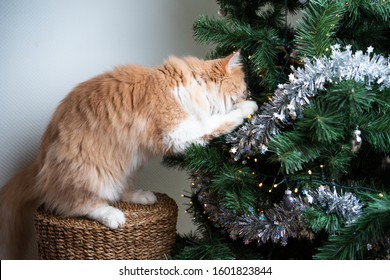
{"points": [[232, 61]]}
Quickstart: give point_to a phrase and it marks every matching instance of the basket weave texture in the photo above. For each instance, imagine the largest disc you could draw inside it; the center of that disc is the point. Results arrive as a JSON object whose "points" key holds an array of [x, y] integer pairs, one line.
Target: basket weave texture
{"points": [[149, 233]]}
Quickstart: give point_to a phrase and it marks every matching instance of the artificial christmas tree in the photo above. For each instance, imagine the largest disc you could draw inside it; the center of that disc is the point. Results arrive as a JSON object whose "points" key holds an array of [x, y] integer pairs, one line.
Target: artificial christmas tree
{"points": [[307, 176]]}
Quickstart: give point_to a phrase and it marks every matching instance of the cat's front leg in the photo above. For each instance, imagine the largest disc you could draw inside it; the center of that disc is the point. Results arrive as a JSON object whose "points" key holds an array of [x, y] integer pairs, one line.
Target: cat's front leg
{"points": [[134, 195], [223, 124], [201, 128], [107, 215], [246, 107]]}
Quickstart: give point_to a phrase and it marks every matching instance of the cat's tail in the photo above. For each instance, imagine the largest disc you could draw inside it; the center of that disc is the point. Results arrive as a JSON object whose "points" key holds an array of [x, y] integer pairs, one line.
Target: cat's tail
{"points": [[19, 198]]}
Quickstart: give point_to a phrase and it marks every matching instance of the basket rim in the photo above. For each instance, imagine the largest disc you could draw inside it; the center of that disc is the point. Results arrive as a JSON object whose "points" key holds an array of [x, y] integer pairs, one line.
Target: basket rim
{"points": [[135, 215]]}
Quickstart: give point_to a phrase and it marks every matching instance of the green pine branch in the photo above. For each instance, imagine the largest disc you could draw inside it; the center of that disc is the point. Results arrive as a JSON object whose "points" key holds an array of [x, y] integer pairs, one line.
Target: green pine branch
{"points": [[323, 122], [232, 183], [259, 13], [354, 238], [234, 186], [351, 96], [205, 249], [317, 220], [316, 30], [360, 10], [375, 127], [324, 134], [232, 33], [198, 158], [337, 159], [365, 23], [292, 151], [259, 45]]}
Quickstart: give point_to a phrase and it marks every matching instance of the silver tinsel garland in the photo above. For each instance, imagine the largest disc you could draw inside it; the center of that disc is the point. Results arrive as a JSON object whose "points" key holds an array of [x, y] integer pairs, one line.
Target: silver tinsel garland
{"points": [[346, 206], [289, 99], [280, 222]]}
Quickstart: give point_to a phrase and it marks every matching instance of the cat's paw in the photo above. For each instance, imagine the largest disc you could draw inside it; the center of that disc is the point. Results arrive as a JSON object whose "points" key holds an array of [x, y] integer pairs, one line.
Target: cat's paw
{"points": [[143, 197], [247, 108], [108, 216]]}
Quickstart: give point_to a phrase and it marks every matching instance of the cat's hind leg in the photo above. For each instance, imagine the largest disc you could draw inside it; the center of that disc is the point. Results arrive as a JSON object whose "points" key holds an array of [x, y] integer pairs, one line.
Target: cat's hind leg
{"points": [[139, 197], [77, 201], [92, 208]]}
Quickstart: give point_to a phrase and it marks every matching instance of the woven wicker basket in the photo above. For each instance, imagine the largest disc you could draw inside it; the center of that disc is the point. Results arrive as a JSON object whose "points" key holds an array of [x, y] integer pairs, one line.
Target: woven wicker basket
{"points": [[149, 233]]}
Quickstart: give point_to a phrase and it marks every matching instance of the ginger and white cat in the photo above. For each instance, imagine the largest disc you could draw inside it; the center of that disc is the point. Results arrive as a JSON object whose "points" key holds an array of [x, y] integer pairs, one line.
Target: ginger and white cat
{"points": [[108, 127]]}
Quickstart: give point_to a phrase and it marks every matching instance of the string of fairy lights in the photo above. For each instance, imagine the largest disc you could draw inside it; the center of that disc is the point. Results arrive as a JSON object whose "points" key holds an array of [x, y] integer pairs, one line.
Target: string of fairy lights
{"points": [[283, 220], [310, 181], [280, 221]]}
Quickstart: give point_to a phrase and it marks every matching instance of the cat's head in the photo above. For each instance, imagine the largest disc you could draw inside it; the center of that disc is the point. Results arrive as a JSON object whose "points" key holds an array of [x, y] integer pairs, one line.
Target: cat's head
{"points": [[215, 84], [230, 77]]}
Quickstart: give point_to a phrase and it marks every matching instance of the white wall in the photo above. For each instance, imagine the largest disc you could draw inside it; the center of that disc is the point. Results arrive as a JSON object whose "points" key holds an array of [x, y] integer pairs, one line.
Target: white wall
{"points": [[49, 46]]}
